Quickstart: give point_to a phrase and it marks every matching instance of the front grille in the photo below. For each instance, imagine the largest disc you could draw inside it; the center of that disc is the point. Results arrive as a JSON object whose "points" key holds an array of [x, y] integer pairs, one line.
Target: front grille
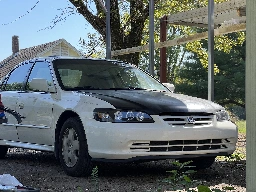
{"points": [[181, 119], [179, 145]]}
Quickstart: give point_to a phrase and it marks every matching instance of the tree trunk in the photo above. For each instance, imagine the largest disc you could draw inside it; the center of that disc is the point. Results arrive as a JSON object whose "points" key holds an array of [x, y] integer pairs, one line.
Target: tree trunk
{"points": [[132, 58], [120, 39]]}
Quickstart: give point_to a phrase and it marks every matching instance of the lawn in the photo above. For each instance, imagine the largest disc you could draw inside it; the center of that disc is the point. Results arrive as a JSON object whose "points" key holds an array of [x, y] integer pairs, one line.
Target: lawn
{"points": [[241, 126]]}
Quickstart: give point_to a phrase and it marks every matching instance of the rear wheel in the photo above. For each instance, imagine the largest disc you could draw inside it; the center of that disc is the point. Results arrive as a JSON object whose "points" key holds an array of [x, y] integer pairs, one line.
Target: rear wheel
{"points": [[3, 151], [73, 149], [199, 162]]}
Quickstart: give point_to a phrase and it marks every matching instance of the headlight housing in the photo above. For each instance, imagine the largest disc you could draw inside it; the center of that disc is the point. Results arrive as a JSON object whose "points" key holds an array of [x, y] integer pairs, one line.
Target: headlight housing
{"points": [[222, 115], [121, 116]]}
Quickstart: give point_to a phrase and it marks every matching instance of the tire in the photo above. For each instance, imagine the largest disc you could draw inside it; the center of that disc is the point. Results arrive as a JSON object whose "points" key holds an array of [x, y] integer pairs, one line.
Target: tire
{"points": [[3, 151], [73, 149], [199, 162]]}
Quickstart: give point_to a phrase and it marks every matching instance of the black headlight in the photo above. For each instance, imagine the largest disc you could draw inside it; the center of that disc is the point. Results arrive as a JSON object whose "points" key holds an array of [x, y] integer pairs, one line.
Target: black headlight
{"points": [[121, 116]]}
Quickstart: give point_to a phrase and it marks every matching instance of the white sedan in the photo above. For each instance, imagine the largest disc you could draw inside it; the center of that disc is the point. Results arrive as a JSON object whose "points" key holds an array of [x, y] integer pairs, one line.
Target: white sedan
{"points": [[87, 110]]}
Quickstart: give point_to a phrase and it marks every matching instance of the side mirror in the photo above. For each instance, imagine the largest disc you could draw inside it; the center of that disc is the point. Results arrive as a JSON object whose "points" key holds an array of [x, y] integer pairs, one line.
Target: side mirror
{"points": [[169, 86], [39, 84]]}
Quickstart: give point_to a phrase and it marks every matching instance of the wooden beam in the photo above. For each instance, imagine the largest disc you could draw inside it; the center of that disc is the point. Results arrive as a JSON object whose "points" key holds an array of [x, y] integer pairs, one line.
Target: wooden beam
{"points": [[193, 24], [182, 40], [203, 11]]}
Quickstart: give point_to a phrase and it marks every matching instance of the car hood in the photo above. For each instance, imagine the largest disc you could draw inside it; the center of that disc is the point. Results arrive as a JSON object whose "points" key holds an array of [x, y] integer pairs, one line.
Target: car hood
{"points": [[154, 102]]}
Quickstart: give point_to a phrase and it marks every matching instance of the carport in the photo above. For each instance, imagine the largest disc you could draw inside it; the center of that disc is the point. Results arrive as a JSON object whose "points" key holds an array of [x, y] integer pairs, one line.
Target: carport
{"points": [[225, 18]]}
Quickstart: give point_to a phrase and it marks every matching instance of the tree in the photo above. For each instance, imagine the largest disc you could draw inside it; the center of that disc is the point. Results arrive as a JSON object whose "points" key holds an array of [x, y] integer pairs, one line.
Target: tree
{"points": [[229, 80], [129, 20], [187, 64], [191, 78], [126, 30]]}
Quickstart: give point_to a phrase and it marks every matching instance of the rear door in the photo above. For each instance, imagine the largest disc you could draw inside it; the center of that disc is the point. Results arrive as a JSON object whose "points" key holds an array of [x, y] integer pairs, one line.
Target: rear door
{"points": [[10, 94]]}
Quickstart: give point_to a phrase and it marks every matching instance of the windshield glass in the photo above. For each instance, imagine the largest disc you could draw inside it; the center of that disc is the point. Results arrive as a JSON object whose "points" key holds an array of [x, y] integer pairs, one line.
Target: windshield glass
{"points": [[86, 74]]}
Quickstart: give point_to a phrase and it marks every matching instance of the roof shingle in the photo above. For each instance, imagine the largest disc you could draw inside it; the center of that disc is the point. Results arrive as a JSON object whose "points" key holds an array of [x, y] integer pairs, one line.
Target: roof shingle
{"points": [[26, 54]]}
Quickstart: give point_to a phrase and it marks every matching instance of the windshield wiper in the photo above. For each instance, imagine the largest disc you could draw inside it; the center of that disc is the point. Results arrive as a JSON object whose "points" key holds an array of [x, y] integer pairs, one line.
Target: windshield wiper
{"points": [[136, 88], [127, 88], [157, 90]]}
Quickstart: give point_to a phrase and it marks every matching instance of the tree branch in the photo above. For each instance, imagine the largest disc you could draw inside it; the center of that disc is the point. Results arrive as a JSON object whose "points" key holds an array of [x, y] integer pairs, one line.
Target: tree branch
{"points": [[116, 30], [97, 23], [139, 12], [27, 12]]}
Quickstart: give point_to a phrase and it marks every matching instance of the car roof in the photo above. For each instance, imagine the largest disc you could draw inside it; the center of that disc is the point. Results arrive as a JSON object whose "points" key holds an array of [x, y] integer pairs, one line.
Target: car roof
{"points": [[51, 58]]}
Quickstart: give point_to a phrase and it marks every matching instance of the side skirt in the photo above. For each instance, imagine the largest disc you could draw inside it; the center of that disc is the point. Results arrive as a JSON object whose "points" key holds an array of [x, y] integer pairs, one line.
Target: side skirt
{"points": [[27, 145]]}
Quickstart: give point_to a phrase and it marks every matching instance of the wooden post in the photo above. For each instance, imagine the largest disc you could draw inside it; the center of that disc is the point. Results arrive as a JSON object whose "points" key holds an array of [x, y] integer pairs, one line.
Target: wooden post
{"points": [[163, 57], [250, 96], [211, 50], [151, 39]]}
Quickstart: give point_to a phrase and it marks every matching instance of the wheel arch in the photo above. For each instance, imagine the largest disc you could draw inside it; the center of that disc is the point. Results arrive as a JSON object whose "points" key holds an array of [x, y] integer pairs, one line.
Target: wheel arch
{"points": [[63, 117]]}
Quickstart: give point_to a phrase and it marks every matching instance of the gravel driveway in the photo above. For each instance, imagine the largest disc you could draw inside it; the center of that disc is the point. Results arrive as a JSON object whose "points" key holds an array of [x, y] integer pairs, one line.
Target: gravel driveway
{"points": [[41, 170]]}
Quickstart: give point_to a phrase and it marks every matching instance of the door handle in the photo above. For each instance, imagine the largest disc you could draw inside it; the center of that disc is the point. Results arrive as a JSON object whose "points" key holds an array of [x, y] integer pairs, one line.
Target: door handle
{"points": [[21, 105]]}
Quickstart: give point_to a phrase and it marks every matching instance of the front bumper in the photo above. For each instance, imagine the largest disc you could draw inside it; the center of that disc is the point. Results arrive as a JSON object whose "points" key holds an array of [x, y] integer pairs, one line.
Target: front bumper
{"points": [[159, 140]]}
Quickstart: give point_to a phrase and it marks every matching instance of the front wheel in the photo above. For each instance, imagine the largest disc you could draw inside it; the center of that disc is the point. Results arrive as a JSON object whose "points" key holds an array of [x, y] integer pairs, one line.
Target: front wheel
{"points": [[199, 162], [73, 149], [3, 151]]}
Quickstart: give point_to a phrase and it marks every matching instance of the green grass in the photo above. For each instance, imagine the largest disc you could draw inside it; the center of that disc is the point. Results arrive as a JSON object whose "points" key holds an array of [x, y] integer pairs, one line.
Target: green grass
{"points": [[241, 126]]}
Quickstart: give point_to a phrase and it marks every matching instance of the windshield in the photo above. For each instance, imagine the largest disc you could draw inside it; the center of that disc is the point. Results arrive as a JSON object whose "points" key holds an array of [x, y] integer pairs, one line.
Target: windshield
{"points": [[86, 74]]}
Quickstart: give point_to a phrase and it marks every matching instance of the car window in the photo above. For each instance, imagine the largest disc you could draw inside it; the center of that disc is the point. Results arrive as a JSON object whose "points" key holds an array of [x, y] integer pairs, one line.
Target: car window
{"points": [[78, 74], [2, 82], [17, 77], [70, 77], [40, 70]]}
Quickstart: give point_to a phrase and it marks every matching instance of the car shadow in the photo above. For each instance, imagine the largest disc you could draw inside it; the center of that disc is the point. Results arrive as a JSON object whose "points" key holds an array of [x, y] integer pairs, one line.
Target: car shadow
{"points": [[229, 172], [30, 162]]}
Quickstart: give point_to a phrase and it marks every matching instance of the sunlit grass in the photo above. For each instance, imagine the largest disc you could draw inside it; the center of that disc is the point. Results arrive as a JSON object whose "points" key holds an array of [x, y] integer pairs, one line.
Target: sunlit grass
{"points": [[241, 126]]}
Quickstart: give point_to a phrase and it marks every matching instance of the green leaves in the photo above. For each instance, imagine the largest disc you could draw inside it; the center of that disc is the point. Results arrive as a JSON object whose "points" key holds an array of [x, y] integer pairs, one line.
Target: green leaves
{"points": [[229, 188], [95, 179], [192, 77], [180, 176], [187, 179], [203, 188]]}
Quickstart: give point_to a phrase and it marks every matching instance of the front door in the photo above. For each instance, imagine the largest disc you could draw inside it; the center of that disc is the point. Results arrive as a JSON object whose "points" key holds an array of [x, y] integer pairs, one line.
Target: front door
{"points": [[37, 108]]}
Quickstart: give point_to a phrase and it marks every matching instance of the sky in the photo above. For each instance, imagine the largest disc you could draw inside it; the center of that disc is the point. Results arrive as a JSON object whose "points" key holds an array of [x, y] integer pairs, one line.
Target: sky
{"points": [[28, 27]]}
